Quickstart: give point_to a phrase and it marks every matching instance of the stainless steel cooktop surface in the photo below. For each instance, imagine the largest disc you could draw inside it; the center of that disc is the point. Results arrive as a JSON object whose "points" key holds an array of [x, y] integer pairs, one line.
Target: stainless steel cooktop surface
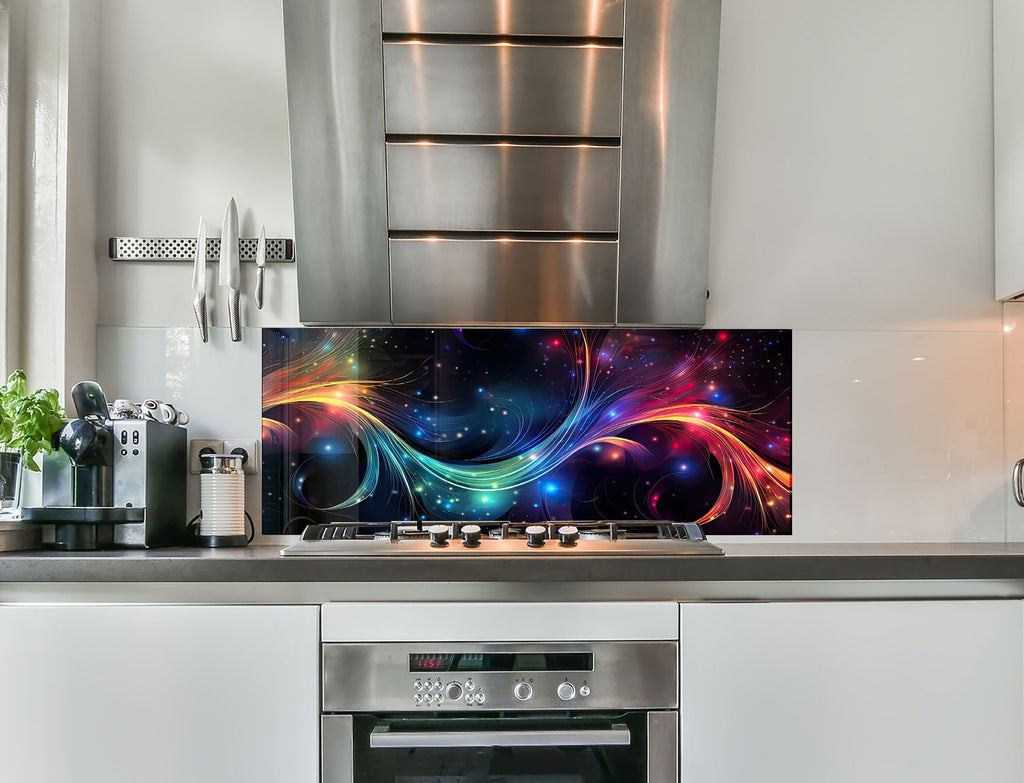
{"points": [[466, 539]]}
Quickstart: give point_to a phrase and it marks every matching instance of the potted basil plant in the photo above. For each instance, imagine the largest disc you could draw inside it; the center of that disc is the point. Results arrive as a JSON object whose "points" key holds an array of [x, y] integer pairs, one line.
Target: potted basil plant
{"points": [[28, 423]]}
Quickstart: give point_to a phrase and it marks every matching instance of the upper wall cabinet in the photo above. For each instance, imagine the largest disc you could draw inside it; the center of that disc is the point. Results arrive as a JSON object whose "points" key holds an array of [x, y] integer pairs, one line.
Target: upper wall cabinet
{"points": [[1008, 127], [502, 161]]}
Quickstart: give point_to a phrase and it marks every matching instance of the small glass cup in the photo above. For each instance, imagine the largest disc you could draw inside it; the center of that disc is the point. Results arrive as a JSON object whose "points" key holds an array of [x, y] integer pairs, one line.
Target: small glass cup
{"points": [[11, 469]]}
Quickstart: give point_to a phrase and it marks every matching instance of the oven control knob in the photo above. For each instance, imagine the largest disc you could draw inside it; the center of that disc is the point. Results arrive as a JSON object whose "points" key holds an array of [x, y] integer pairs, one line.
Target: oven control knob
{"points": [[522, 691], [566, 691], [535, 535], [584, 690], [438, 535], [471, 535], [568, 535], [453, 691]]}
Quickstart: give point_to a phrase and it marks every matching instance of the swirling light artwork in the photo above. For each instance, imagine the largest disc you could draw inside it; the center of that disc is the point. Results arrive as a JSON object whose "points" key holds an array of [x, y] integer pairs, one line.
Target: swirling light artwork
{"points": [[527, 425]]}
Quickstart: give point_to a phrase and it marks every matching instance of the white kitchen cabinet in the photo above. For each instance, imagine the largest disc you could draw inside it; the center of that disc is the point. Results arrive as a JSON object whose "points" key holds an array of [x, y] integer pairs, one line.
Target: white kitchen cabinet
{"points": [[159, 694], [926, 691], [1008, 133]]}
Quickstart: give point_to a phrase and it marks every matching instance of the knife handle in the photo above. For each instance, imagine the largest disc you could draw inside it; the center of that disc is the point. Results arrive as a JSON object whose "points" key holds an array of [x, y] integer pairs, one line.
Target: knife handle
{"points": [[235, 316], [258, 293]]}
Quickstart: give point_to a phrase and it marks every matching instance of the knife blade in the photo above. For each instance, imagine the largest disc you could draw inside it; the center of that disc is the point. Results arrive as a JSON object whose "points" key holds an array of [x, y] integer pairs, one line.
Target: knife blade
{"points": [[229, 273], [261, 262], [199, 282]]}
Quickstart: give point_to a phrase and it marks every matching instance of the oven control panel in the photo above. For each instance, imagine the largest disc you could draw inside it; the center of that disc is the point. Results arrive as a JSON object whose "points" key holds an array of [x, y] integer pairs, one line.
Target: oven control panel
{"points": [[519, 676], [443, 693]]}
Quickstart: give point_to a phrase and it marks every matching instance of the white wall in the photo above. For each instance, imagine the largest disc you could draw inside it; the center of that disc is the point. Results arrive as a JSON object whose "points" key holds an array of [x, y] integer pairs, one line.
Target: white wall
{"points": [[852, 203]]}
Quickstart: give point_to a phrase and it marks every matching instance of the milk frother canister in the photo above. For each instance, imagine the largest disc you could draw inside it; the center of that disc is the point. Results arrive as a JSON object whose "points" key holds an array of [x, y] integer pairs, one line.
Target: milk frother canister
{"points": [[222, 498]]}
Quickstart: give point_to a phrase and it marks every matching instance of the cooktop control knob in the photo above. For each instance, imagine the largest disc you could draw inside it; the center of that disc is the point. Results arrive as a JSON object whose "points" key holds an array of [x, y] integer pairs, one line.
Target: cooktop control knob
{"points": [[453, 691], [566, 691], [471, 535], [535, 535], [438, 535], [568, 535], [523, 691]]}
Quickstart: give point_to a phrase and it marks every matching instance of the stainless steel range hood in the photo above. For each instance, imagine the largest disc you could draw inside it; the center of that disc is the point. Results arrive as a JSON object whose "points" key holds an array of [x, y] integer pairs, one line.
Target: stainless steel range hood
{"points": [[502, 161]]}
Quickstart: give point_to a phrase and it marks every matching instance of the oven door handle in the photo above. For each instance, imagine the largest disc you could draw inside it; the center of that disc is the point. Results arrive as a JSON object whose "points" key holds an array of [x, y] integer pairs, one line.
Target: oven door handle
{"points": [[382, 737]]}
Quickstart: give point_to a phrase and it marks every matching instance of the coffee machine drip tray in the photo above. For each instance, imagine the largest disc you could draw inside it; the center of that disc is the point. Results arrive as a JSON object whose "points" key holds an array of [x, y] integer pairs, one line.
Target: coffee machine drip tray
{"points": [[83, 528], [90, 515]]}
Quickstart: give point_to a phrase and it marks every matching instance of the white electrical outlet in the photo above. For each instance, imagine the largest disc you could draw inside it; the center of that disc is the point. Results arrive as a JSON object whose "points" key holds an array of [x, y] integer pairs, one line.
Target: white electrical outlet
{"points": [[249, 448], [198, 446]]}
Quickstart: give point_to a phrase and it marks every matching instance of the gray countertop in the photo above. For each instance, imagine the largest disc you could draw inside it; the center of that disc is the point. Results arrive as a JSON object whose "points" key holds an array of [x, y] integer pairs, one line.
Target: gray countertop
{"points": [[743, 562]]}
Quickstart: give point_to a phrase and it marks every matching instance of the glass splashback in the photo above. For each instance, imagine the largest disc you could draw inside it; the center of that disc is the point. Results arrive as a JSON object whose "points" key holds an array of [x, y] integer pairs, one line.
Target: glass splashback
{"points": [[531, 424]]}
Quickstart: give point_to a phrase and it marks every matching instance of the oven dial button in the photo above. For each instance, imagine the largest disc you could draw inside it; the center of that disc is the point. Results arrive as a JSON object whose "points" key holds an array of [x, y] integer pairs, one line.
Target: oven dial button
{"points": [[566, 691], [568, 535], [417, 686], [536, 535], [522, 691], [470, 685], [479, 698], [471, 536], [438, 535], [584, 690], [453, 692]]}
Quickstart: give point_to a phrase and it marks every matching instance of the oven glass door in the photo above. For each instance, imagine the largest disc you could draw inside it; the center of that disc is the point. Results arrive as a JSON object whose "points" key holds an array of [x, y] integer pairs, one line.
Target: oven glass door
{"points": [[534, 748]]}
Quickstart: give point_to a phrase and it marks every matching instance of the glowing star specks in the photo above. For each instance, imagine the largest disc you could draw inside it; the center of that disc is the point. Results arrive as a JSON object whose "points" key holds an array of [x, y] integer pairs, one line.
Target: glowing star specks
{"points": [[530, 424]]}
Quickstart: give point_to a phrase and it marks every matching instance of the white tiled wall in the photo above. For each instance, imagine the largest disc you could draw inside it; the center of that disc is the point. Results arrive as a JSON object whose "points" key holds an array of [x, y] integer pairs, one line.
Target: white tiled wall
{"points": [[852, 203]]}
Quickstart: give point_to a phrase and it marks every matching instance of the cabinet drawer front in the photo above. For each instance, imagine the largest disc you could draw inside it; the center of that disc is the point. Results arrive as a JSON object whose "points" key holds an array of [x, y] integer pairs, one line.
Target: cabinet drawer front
{"points": [[592, 18], [494, 281], [500, 187], [502, 89]]}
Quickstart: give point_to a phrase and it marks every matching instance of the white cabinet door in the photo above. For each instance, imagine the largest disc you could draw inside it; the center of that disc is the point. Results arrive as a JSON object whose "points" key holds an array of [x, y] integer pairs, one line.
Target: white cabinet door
{"points": [[1008, 119], [159, 694], [898, 692]]}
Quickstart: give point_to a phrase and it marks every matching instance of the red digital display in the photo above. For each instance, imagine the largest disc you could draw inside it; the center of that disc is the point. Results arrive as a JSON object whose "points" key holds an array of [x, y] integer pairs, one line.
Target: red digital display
{"points": [[430, 662]]}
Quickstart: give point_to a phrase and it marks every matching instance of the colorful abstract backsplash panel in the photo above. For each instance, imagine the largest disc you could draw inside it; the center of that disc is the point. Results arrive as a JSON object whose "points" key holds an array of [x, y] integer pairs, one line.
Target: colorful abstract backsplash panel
{"points": [[527, 425]]}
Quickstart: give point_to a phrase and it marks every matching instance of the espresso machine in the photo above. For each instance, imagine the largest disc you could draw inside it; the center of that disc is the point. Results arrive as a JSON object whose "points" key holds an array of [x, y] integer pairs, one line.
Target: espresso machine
{"points": [[113, 482]]}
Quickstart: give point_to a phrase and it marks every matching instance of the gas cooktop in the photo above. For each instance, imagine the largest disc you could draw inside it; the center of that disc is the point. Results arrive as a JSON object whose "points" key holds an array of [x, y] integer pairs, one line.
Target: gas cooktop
{"points": [[554, 539]]}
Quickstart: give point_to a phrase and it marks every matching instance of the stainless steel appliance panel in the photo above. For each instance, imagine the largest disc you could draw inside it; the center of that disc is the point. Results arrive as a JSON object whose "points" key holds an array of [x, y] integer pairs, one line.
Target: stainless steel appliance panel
{"points": [[502, 89], [512, 281], [662, 747], [336, 122], [502, 187], [150, 471], [376, 678], [594, 18], [336, 745], [669, 95]]}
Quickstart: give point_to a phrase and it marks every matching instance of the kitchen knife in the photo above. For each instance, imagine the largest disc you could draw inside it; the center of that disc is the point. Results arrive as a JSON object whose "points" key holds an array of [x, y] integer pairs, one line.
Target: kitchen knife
{"points": [[199, 282], [229, 274], [261, 262]]}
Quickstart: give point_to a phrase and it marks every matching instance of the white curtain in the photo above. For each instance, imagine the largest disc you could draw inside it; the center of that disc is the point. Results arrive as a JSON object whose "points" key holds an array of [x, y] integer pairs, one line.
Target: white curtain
{"points": [[47, 189], [6, 282]]}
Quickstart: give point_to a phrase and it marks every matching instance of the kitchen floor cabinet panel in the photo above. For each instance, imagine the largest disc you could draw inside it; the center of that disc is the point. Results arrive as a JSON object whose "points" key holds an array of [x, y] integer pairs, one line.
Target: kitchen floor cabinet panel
{"points": [[847, 692], [159, 694]]}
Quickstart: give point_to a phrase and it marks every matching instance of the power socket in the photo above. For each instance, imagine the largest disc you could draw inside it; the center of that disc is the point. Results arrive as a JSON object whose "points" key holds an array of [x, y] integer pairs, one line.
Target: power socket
{"points": [[198, 446], [250, 451]]}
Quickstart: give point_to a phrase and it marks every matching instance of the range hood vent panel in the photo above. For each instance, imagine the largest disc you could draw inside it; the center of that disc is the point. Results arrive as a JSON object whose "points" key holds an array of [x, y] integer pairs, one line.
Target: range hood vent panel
{"points": [[502, 161]]}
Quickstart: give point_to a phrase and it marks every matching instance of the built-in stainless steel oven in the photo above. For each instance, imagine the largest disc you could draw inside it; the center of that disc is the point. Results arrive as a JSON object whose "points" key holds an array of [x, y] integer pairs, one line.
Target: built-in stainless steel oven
{"points": [[523, 712]]}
